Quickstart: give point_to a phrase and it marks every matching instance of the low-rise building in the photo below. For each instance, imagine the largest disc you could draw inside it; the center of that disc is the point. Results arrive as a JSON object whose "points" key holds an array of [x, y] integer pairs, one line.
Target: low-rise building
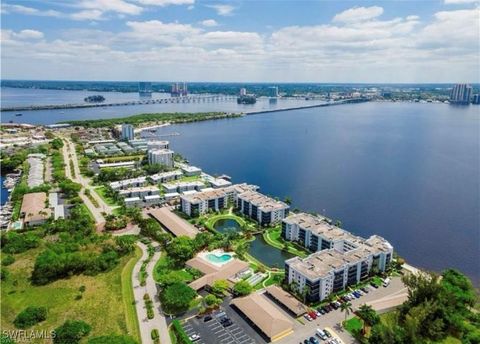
{"points": [[128, 183], [133, 202], [152, 200], [139, 192], [219, 183], [191, 170], [263, 209], [166, 176], [161, 156], [34, 211], [340, 258], [157, 144], [183, 186], [122, 164]]}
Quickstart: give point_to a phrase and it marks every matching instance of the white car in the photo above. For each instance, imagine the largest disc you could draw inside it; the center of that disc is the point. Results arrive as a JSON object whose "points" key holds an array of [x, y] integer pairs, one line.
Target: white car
{"points": [[321, 334], [194, 337], [386, 282]]}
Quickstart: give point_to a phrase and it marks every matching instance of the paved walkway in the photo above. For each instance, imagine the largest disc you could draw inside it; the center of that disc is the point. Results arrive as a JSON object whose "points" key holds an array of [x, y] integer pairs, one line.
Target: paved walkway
{"points": [[158, 322]]}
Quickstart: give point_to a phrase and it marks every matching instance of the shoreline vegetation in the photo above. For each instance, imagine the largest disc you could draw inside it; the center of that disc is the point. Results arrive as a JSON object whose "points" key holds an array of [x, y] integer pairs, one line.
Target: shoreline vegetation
{"points": [[175, 117]]}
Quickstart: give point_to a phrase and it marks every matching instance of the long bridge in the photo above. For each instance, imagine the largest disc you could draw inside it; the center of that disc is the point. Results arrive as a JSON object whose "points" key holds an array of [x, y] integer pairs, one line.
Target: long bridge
{"points": [[149, 101]]}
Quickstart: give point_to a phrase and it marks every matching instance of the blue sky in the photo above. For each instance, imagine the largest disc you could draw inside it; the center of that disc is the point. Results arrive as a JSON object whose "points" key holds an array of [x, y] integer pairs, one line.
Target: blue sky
{"points": [[298, 41]]}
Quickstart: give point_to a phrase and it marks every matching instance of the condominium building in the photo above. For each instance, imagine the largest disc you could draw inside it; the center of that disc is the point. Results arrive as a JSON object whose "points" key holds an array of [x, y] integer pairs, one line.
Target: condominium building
{"points": [[166, 176], [191, 170], [157, 144], [139, 192], [128, 183], [201, 202], [128, 132], [263, 209], [183, 186], [161, 156], [339, 259], [461, 94]]}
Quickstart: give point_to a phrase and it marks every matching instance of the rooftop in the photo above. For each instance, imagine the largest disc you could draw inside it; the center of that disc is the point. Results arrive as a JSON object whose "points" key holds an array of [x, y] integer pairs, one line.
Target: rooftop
{"points": [[204, 196], [287, 299], [263, 202], [173, 222]]}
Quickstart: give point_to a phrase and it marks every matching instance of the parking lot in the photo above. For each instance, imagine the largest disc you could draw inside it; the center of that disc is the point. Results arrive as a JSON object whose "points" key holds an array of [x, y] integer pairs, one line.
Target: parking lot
{"points": [[213, 332]]}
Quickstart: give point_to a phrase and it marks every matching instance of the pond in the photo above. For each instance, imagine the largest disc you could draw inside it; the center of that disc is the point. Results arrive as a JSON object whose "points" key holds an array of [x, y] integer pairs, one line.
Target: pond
{"points": [[268, 255], [227, 226]]}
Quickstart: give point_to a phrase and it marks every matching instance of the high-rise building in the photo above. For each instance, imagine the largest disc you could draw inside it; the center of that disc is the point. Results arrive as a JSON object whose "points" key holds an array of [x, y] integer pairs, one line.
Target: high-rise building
{"points": [[273, 91], [160, 156], [127, 132], [179, 90], [461, 94], [476, 99], [243, 91]]}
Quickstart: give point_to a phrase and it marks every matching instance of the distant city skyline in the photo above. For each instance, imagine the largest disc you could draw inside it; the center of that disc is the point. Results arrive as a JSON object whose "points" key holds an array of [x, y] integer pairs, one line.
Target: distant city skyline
{"points": [[242, 41]]}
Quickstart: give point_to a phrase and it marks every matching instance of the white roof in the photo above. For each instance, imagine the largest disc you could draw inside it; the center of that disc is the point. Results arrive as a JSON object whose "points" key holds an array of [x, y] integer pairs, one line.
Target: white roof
{"points": [[132, 199]]}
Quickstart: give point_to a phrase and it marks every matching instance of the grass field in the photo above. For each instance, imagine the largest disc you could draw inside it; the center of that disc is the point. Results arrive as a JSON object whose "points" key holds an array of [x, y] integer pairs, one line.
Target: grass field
{"points": [[101, 305], [273, 238], [128, 299], [353, 325], [101, 192]]}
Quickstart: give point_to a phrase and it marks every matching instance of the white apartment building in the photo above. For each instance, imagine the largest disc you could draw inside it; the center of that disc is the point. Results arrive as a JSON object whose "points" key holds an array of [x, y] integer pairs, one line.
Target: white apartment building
{"points": [[127, 183], [133, 202], [139, 192], [157, 144], [191, 170], [128, 132], [166, 176], [161, 156], [339, 259], [183, 186], [263, 209], [201, 202]]}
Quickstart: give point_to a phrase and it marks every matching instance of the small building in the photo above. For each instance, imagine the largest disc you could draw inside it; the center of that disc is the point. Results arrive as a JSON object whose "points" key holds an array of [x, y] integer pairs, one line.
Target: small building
{"points": [[126, 183], [122, 164], [34, 211], [272, 324], [152, 200], [139, 192], [166, 176], [287, 300], [219, 183], [173, 223], [191, 170], [157, 144], [133, 202], [183, 186]]}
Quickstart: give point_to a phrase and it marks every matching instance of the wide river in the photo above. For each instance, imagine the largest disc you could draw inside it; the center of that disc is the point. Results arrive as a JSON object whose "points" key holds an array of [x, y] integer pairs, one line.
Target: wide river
{"points": [[406, 171]]}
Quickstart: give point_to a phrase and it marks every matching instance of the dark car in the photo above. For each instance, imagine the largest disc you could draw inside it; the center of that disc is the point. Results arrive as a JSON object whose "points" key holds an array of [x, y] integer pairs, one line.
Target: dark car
{"points": [[321, 310], [374, 285], [328, 334], [207, 318], [334, 306], [227, 323], [306, 341], [314, 340]]}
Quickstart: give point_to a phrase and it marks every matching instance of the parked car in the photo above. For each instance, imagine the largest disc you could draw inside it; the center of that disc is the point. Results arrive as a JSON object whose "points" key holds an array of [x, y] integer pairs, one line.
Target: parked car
{"points": [[374, 285], [194, 337], [321, 334], [321, 310], [318, 313], [386, 282], [328, 334], [207, 318], [365, 290], [314, 340], [306, 316], [312, 315], [227, 323], [305, 341]]}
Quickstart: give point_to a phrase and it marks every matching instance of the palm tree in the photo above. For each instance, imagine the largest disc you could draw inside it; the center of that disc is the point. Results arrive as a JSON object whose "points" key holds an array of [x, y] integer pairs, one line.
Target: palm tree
{"points": [[368, 315], [347, 308]]}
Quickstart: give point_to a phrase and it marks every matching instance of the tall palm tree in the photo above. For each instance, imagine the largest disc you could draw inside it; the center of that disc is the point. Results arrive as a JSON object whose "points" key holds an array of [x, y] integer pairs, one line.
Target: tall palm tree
{"points": [[347, 308]]}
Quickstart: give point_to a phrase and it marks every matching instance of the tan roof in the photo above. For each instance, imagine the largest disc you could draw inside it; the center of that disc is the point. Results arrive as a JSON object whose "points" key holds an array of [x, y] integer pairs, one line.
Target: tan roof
{"points": [[173, 222], [33, 204], [263, 202], [268, 318], [214, 273], [204, 196], [287, 299]]}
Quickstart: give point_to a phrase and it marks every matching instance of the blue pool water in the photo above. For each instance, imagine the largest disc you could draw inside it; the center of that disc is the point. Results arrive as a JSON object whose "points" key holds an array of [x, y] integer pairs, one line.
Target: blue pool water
{"points": [[218, 259]]}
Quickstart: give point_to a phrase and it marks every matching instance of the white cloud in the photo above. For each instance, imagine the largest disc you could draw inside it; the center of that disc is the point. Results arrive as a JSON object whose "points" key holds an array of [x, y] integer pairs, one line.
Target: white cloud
{"points": [[358, 14], [118, 6], [209, 22], [87, 15], [7, 8], [9, 36], [164, 3], [223, 10]]}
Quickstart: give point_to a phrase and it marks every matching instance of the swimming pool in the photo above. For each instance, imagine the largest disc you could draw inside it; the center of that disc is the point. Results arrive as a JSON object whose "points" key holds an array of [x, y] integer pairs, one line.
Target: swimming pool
{"points": [[218, 258]]}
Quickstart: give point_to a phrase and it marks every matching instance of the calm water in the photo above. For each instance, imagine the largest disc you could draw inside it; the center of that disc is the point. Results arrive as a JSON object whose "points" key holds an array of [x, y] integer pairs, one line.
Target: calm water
{"points": [[227, 226], [267, 254], [408, 172], [4, 192], [19, 96]]}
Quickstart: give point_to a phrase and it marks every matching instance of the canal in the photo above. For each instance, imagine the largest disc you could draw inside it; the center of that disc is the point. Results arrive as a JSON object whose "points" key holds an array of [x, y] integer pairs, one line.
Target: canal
{"points": [[268, 255]]}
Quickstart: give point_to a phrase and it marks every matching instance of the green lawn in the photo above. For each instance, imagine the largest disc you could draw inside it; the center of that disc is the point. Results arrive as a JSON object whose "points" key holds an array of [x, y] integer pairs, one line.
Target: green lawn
{"points": [[353, 325], [161, 267], [101, 192], [273, 238], [128, 298], [101, 305]]}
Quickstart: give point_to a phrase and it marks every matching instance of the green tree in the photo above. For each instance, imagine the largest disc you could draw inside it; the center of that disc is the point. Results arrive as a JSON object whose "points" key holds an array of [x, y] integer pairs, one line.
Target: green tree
{"points": [[30, 316], [346, 308], [219, 287], [181, 249], [242, 288], [176, 298], [212, 301], [71, 332], [368, 316]]}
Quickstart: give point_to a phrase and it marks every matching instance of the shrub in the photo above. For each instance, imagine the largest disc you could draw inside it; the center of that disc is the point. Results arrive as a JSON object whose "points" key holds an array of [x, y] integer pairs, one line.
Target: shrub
{"points": [[242, 288], [182, 337], [112, 339], [30, 316], [71, 332], [8, 260]]}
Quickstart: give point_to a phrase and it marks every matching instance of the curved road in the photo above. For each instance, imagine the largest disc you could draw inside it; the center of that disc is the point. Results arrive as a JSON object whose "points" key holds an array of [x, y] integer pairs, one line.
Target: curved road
{"points": [[158, 321]]}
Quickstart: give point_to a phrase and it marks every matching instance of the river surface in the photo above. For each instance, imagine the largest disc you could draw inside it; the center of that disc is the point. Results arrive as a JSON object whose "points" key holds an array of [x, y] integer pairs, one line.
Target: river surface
{"points": [[408, 172], [21, 97], [3, 192]]}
